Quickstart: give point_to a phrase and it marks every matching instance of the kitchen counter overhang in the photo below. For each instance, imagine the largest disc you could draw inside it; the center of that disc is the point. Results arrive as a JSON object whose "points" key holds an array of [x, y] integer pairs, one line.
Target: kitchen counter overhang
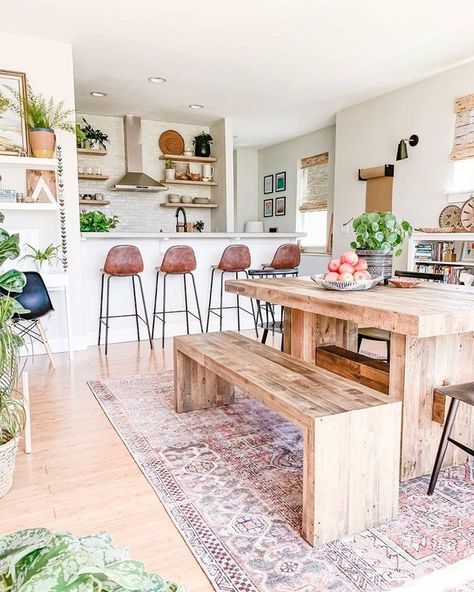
{"points": [[192, 235]]}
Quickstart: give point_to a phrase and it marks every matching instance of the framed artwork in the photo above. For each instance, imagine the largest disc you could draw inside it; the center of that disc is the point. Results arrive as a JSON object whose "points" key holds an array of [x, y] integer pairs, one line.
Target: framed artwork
{"points": [[268, 184], [41, 185], [468, 252], [280, 181], [268, 208], [280, 206], [13, 129]]}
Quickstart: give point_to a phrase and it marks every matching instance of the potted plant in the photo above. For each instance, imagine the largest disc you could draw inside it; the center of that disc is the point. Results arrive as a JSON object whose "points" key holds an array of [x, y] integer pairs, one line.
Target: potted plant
{"points": [[95, 221], [80, 136], [169, 170], [202, 144], [12, 412], [95, 137], [377, 235], [37, 559], [49, 257]]}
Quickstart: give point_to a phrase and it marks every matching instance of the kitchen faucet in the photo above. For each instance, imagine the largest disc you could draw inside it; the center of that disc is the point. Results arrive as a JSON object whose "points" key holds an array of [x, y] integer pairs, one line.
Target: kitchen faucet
{"points": [[183, 225]]}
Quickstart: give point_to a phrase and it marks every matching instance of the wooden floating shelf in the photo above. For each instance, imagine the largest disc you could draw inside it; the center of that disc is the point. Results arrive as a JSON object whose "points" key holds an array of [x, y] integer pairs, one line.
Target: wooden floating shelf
{"points": [[180, 182], [91, 151], [182, 158], [92, 177], [185, 206], [28, 161], [12, 205], [94, 202]]}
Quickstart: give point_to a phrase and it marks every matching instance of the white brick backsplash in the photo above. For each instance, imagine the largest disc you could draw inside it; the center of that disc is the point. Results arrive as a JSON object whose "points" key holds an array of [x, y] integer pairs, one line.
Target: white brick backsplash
{"points": [[139, 211]]}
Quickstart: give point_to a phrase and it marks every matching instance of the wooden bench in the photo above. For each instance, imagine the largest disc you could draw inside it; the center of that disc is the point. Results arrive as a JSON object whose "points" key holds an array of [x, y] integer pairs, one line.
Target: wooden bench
{"points": [[351, 433]]}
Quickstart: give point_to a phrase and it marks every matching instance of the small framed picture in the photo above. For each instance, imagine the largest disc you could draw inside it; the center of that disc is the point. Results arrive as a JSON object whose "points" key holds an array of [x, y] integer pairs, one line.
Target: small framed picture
{"points": [[13, 128], [280, 206], [280, 181], [267, 208], [268, 184], [468, 252]]}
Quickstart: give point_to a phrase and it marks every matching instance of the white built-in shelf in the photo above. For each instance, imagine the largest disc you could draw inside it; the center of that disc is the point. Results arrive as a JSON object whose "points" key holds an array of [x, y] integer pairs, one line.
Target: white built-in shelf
{"points": [[186, 206], [91, 152], [180, 182], [182, 158], [442, 236], [446, 263], [12, 205], [92, 177], [28, 161], [94, 202]]}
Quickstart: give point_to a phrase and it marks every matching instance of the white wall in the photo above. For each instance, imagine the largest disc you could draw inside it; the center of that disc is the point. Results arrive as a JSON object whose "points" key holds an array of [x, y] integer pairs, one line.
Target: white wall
{"points": [[245, 186], [285, 157], [223, 194], [49, 70], [368, 135]]}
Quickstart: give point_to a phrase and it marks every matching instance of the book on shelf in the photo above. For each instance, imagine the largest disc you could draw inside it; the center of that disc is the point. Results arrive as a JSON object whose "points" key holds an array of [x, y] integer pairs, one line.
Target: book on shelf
{"points": [[451, 274]]}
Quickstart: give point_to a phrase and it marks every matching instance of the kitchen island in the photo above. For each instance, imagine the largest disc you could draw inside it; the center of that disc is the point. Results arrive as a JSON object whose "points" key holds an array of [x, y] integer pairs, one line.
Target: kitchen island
{"points": [[208, 247]]}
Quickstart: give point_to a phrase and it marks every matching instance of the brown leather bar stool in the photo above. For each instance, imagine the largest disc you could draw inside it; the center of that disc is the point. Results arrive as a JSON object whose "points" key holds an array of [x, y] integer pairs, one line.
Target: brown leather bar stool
{"points": [[234, 260], [285, 263], [178, 260], [459, 393], [122, 261]]}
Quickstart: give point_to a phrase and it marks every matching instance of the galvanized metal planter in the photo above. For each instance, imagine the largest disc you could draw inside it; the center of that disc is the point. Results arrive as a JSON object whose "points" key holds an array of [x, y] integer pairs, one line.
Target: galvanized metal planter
{"points": [[379, 262]]}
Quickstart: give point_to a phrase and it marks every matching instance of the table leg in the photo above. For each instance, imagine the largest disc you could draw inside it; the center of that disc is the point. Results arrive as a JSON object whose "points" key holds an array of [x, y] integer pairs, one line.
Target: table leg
{"points": [[416, 366]]}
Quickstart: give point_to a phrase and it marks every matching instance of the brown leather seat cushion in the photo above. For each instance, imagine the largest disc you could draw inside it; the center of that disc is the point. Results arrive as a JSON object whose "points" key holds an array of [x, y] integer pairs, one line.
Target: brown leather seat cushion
{"points": [[235, 258], [123, 260], [286, 257], [178, 259]]}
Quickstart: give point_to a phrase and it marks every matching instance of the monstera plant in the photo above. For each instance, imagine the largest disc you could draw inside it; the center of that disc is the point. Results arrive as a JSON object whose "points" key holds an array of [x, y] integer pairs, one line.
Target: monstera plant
{"points": [[12, 413], [37, 560]]}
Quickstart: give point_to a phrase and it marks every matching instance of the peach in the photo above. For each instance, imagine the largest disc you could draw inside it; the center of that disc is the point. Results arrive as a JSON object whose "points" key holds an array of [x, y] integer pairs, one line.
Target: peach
{"points": [[346, 277], [361, 265], [346, 268], [349, 257], [334, 265], [362, 275], [331, 276]]}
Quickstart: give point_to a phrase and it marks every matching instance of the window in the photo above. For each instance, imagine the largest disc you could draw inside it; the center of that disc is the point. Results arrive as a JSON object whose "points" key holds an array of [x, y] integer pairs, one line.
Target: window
{"points": [[312, 204]]}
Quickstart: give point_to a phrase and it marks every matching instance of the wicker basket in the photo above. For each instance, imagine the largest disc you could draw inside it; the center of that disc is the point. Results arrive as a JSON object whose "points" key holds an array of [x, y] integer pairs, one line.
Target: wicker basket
{"points": [[340, 286], [7, 464]]}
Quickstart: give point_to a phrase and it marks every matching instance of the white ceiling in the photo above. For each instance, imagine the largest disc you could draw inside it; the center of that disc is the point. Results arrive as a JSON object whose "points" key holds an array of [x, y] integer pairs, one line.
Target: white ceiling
{"points": [[279, 68]]}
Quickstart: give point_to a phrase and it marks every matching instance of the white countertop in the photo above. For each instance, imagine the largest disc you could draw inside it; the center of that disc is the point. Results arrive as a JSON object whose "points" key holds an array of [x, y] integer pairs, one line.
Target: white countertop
{"points": [[192, 235]]}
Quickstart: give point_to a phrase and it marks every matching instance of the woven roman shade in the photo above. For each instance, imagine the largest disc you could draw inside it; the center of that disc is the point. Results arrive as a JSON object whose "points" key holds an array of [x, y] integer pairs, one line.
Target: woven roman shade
{"points": [[463, 146], [315, 179]]}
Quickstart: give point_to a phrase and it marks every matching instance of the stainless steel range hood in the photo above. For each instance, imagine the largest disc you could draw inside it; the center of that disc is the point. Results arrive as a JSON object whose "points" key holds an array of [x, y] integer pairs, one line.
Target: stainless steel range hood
{"points": [[135, 179]]}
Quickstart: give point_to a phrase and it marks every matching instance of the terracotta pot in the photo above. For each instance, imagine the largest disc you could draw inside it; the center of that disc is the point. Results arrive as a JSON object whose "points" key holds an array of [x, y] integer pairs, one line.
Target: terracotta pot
{"points": [[42, 142]]}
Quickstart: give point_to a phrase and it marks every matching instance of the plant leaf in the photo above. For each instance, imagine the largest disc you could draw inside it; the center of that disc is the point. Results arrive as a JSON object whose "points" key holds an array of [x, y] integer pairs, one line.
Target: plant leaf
{"points": [[13, 547]]}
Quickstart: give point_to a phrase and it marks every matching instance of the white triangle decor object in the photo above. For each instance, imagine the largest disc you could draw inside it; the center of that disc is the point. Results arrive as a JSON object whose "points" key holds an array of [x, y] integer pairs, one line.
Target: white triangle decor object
{"points": [[41, 187]]}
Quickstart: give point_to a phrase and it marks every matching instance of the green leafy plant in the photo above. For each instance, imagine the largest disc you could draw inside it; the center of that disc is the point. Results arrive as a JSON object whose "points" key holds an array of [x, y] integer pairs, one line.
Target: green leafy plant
{"points": [[49, 255], [169, 164], [95, 136], [80, 135], [37, 560], [203, 138], [95, 221], [199, 225], [380, 230], [12, 412]]}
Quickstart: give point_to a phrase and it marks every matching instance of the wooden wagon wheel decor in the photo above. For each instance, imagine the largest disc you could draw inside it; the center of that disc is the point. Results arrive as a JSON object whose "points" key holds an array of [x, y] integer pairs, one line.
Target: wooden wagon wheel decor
{"points": [[450, 217], [467, 215]]}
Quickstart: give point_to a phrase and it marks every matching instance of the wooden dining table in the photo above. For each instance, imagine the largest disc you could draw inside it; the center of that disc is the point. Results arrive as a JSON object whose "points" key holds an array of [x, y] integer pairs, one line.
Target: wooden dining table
{"points": [[431, 344]]}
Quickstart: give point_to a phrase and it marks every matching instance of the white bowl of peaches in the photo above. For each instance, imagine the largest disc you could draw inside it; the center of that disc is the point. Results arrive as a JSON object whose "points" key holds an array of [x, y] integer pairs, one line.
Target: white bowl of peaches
{"points": [[349, 272]]}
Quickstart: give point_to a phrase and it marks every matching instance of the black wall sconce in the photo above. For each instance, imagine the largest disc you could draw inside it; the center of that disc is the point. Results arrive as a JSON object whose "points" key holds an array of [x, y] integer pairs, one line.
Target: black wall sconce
{"points": [[402, 151]]}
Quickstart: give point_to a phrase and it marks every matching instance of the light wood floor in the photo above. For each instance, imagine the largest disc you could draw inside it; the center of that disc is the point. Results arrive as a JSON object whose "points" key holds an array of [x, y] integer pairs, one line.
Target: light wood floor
{"points": [[80, 476]]}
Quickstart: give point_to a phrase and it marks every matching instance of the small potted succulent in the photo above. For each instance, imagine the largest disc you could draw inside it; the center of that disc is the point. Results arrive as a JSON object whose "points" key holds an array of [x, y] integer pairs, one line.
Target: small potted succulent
{"points": [[202, 144], [378, 234], [94, 138], [169, 170], [45, 261]]}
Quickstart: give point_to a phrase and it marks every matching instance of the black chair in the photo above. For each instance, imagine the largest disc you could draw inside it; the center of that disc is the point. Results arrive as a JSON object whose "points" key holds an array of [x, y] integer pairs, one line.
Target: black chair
{"points": [[34, 298], [374, 334], [459, 393]]}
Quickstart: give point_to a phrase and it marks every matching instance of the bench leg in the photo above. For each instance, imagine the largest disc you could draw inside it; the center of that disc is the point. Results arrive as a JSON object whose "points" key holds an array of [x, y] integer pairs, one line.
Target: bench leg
{"points": [[196, 387], [351, 467]]}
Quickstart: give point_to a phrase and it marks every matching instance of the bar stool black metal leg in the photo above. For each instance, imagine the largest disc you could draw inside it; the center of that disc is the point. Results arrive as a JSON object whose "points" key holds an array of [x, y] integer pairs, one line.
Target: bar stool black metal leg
{"points": [[197, 301], [154, 306], [221, 300], [448, 428], [101, 306], [107, 298], [238, 304], [264, 336], [210, 299], [163, 321], [136, 308], [186, 303], [253, 309], [145, 311]]}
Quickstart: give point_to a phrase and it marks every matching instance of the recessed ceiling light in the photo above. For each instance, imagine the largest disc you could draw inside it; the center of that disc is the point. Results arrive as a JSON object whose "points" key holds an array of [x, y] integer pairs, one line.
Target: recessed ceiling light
{"points": [[195, 106], [157, 79], [98, 93]]}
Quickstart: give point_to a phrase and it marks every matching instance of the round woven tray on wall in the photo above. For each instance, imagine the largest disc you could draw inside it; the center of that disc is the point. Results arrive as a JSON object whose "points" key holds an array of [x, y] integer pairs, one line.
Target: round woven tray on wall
{"points": [[7, 465]]}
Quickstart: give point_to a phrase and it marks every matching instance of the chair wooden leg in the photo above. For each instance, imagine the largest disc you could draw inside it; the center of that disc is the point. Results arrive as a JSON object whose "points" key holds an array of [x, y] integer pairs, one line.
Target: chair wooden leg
{"points": [[45, 341], [443, 445]]}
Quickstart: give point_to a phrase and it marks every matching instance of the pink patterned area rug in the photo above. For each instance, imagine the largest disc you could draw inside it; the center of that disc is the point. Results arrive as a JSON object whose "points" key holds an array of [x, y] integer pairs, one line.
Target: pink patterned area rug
{"points": [[231, 480]]}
